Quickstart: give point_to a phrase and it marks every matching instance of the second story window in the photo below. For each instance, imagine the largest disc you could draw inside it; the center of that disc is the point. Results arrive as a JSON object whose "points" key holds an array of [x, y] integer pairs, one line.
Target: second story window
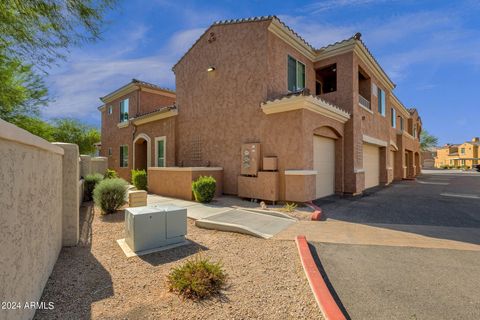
{"points": [[381, 102], [462, 150], [110, 109], [401, 123], [124, 110], [415, 130], [393, 116], [296, 75]]}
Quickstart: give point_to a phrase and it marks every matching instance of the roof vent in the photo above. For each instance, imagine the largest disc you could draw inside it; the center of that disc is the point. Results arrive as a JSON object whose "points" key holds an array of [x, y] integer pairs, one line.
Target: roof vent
{"points": [[357, 36]]}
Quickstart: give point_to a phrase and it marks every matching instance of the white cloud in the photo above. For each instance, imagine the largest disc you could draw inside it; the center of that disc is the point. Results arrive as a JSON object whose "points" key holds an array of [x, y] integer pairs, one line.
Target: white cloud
{"points": [[77, 87], [326, 5]]}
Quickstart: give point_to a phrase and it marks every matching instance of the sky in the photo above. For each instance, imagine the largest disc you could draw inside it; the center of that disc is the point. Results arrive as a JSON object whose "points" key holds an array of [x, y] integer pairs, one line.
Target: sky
{"points": [[430, 49]]}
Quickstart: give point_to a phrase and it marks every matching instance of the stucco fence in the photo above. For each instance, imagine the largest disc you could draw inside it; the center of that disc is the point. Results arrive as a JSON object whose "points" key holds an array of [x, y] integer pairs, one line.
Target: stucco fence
{"points": [[39, 213], [90, 165]]}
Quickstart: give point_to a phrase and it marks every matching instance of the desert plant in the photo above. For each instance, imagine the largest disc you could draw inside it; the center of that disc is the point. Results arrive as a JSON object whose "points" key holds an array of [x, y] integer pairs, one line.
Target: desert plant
{"points": [[197, 278], [289, 207], [110, 174], [139, 179], [91, 180], [204, 189], [109, 195]]}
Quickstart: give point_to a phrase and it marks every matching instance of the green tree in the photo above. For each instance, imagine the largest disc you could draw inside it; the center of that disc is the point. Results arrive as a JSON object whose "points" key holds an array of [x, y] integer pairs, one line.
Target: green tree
{"points": [[34, 34], [35, 126], [427, 140], [72, 131]]}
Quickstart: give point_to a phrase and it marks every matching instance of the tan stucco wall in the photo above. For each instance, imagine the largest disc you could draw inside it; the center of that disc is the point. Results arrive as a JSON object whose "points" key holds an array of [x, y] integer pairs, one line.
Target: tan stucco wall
{"points": [[30, 215], [177, 182], [90, 165]]}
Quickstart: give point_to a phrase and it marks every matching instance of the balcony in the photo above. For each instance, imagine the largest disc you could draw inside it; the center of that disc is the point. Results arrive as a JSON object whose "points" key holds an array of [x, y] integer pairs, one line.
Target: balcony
{"points": [[363, 102]]}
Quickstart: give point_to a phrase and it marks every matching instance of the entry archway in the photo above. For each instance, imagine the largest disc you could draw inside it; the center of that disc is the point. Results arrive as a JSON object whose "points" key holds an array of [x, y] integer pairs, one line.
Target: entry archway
{"points": [[142, 152]]}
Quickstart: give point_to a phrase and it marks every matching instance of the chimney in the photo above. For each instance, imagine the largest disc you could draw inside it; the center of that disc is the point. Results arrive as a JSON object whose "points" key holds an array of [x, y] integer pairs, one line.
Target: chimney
{"points": [[476, 139]]}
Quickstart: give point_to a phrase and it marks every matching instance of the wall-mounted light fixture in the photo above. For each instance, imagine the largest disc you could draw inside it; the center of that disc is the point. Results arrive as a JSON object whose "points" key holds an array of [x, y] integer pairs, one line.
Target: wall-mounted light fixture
{"points": [[210, 69]]}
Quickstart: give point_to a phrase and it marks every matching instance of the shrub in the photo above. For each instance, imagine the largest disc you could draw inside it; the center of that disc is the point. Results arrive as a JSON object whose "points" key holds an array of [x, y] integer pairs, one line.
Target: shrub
{"points": [[139, 179], [109, 195], [110, 174], [91, 181], [204, 189], [289, 207], [197, 278]]}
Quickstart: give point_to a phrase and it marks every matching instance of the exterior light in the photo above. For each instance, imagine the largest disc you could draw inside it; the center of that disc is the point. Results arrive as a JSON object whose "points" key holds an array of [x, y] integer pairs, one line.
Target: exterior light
{"points": [[210, 69]]}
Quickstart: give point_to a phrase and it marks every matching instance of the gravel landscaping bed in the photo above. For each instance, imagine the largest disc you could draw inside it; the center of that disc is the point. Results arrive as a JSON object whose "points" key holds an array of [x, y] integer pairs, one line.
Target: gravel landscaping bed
{"points": [[95, 280]]}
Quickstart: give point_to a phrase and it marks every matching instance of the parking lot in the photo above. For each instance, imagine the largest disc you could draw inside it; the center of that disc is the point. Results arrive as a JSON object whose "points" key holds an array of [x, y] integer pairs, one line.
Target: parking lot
{"points": [[431, 272]]}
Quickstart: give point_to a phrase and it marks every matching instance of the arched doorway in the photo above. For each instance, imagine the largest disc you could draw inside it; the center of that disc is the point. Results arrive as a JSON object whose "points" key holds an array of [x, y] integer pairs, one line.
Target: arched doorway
{"points": [[141, 152]]}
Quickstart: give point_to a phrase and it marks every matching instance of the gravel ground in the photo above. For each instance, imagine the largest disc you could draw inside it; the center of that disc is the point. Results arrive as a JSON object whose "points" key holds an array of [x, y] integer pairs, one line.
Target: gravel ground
{"points": [[95, 280]]}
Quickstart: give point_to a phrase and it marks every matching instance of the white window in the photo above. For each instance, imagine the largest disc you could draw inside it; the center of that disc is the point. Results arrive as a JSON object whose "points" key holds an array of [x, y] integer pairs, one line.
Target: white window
{"points": [[296, 75], [381, 102], [110, 109], [374, 89], [124, 110], [160, 151], [124, 156], [393, 118]]}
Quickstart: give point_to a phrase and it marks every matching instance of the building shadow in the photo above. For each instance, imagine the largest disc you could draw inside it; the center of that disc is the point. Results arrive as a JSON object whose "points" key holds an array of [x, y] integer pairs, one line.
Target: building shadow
{"points": [[174, 254], [78, 279], [330, 287], [410, 207]]}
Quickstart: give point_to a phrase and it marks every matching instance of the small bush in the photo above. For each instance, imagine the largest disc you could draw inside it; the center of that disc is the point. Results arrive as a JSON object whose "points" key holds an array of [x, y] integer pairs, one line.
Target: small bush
{"points": [[91, 181], [139, 179], [197, 278], [110, 174], [109, 195], [289, 207], [204, 189]]}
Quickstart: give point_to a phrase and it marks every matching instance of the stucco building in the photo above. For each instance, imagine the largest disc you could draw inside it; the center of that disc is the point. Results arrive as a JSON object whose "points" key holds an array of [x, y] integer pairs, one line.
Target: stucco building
{"points": [[325, 120], [459, 155]]}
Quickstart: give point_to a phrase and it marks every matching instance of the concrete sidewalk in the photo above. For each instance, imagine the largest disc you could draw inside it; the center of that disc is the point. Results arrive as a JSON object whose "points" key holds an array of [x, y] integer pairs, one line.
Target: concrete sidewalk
{"points": [[229, 219]]}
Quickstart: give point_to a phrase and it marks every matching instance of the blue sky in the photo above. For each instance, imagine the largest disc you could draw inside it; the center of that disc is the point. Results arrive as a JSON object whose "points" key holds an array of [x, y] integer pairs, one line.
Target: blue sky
{"points": [[430, 49]]}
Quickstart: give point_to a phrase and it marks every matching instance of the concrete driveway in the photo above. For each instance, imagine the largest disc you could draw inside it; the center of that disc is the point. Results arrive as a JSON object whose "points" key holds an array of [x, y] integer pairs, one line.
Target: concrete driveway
{"points": [[407, 251]]}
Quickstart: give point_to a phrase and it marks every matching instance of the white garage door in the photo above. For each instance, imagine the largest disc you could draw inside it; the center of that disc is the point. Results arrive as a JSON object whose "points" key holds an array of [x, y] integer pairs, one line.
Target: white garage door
{"points": [[324, 164], [371, 165]]}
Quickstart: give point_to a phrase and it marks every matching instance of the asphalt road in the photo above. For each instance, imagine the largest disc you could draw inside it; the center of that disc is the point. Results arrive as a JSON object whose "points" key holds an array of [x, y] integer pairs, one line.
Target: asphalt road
{"points": [[404, 282]]}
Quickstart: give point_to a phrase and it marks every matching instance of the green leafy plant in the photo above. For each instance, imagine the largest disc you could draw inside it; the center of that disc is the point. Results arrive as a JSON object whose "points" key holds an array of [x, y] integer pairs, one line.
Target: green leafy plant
{"points": [[204, 189], [91, 181], [289, 207], [110, 174], [197, 278], [109, 195], [139, 179]]}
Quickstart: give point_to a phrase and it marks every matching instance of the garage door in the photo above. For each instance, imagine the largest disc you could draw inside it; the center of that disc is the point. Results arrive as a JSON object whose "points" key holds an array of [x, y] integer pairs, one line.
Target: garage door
{"points": [[371, 165], [324, 164]]}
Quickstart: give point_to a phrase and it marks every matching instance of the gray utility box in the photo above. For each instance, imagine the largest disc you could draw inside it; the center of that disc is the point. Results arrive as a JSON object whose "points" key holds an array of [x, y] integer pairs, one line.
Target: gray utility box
{"points": [[155, 226]]}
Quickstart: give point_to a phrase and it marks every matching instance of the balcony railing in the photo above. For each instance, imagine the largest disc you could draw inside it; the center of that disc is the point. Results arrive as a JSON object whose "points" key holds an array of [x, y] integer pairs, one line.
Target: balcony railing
{"points": [[363, 102]]}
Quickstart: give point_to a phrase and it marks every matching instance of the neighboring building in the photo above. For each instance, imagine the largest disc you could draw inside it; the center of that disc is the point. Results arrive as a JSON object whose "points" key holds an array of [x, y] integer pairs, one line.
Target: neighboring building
{"points": [[129, 127], [459, 155], [328, 115], [428, 158]]}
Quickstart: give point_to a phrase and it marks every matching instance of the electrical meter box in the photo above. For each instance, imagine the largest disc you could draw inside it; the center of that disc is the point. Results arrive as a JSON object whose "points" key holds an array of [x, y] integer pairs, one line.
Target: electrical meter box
{"points": [[250, 159], [155, 226]]}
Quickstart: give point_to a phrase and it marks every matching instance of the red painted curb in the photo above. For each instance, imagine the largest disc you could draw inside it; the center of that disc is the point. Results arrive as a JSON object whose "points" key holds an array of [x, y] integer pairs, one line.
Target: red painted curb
{"points": [[317, 214], [324, 299]]}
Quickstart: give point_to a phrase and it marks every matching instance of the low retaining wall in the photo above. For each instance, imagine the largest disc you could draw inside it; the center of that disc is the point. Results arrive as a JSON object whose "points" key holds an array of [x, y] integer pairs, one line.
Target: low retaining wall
{"points": [[176, 182], [38, 213], [90, 165]]}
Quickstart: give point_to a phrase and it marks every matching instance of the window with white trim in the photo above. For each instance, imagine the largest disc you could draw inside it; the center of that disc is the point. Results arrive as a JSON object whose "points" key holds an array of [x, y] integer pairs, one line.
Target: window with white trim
{"points": [[393, 115], [296, 75], [381, 102], [124, 110], [110, 110], [124, 156]]}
